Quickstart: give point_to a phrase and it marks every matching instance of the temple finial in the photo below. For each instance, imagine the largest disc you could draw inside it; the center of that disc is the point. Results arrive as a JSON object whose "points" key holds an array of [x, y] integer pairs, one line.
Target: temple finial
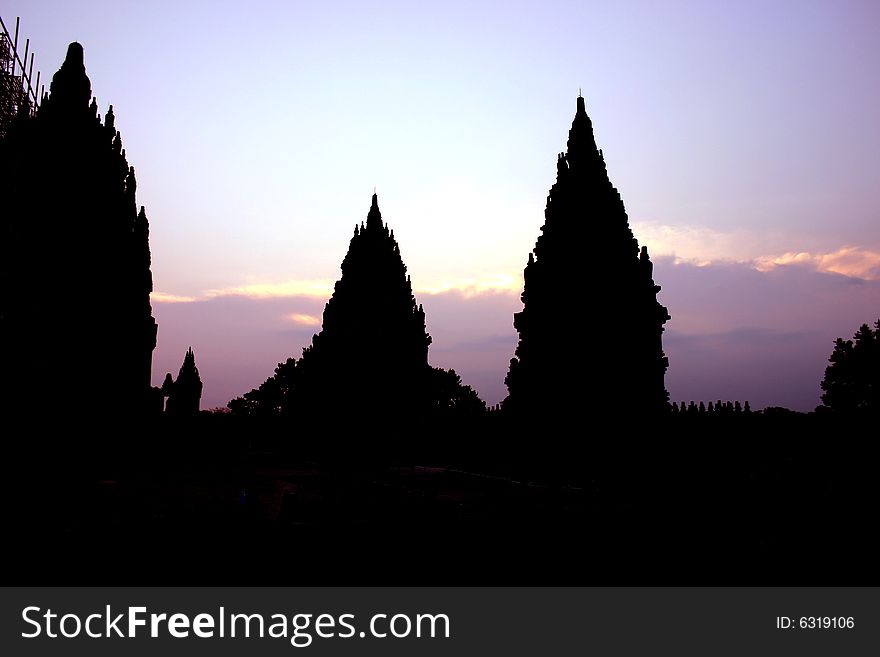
{"points": [[374, 217], [71, 86]]}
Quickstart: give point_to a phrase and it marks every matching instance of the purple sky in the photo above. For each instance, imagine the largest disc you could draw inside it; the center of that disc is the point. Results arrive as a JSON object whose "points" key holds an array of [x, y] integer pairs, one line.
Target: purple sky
{"points": [[743, 138]]}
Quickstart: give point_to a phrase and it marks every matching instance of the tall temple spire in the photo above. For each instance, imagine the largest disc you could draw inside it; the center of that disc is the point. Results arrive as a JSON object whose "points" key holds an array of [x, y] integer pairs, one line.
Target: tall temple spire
{"points": [[587, 255], [85, 233]]}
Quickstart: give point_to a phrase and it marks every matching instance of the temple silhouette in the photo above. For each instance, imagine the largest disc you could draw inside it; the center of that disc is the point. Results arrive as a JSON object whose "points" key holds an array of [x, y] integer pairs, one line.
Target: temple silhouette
{"points": [[76, 327], [302, 470], [184, 393], [591, 326], [372, 352], [371, 355]]}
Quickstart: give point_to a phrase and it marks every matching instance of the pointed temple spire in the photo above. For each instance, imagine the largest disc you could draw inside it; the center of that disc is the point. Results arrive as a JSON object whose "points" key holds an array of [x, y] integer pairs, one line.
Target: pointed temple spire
{"points": [[373, 336], [374, 217], [587, 255], [185, 392], [84, 234], [369, 362]]}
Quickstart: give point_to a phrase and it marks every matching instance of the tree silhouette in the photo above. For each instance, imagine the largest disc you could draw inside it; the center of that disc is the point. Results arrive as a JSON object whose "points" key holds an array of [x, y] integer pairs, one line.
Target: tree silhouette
{"points": [[449, 395], [852, 380], [590, 329], [274, 397]]}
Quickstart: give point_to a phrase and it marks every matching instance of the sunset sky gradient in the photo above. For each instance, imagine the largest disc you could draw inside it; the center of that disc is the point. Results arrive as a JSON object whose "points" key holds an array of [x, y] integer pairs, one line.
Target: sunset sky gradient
{"points": [[743, 137]]}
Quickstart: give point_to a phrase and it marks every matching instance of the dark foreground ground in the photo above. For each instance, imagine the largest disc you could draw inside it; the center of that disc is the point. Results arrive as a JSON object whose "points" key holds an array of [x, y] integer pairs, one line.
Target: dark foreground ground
{"points": [[761, 499]]}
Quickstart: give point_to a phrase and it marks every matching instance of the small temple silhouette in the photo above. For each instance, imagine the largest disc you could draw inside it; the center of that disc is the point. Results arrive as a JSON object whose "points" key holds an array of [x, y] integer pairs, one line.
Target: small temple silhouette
{"points": [[184, 393], [591, 326], [74, 260]]}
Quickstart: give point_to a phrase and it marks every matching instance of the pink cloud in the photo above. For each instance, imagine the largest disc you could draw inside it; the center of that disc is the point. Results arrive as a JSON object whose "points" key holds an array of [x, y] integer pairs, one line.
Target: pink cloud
{"points": [[736, 332], [847, 261]]}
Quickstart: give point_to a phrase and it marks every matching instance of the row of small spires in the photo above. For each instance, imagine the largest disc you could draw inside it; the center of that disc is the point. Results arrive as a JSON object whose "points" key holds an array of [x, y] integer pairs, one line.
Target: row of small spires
{"points": [[717, 407], [362, 228], [692, 408]]}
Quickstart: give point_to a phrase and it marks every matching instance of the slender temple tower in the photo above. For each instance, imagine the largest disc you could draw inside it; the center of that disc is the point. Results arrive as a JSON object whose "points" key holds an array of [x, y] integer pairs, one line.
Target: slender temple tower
{"points": [[76, 327], [591, 326], [185, 392]]}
